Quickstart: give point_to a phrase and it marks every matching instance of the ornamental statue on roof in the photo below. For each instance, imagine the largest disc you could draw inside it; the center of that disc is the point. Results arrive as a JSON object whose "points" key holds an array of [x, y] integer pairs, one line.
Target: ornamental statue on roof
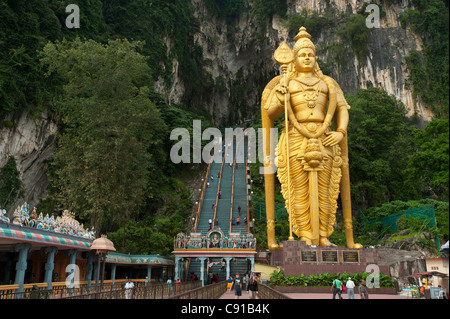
{"points": [[64, 224]]}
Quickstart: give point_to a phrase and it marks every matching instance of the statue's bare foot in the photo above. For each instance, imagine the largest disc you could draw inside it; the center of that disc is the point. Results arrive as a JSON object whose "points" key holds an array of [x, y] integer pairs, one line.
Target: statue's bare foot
{"points": [[306, 240], [354, 245], [325, 242], [273, 247]]}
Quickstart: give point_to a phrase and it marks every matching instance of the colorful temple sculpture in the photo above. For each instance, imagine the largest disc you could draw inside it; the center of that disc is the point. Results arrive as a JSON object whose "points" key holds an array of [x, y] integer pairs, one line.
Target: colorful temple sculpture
{"points": [[216, 239], [64, 224]]}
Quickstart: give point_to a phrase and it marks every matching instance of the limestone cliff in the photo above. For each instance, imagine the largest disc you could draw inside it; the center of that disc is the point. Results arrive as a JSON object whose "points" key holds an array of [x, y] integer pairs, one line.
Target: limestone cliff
{"points": [[241, 65], [31, 142]]}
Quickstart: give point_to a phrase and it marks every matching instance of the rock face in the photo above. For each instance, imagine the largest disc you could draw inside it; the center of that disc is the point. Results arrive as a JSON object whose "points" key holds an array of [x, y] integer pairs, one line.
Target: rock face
{"points": [[31, 142], [241, 61]]}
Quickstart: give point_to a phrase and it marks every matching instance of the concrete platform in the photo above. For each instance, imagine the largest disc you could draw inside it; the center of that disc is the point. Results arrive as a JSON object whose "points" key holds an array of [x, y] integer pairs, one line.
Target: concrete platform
{"points": [[245, 295]]}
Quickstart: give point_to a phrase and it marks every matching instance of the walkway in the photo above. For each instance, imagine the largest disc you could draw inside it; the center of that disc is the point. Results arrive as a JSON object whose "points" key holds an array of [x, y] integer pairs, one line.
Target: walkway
{"points": [[230, 295], [245, 295]]}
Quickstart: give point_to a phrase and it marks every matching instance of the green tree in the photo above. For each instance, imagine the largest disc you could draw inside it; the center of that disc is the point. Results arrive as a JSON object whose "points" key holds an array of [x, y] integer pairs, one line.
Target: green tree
{"points": [[10, 184], [110, 151], [379, 137], [428, 166]]}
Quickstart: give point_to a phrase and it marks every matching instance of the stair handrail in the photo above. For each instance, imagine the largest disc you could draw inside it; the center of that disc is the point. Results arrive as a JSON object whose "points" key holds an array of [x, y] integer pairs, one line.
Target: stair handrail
{"points": [[218, 184], [200, 202], [232, 181], [246, 185]]}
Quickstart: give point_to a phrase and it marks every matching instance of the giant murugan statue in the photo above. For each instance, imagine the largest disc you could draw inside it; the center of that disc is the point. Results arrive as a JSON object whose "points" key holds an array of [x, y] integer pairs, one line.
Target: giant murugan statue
{"points": [[312, 152]]}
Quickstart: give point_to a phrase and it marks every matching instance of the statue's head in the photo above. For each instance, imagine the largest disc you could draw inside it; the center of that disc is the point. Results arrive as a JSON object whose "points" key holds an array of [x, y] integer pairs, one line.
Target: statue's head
{"points": [[304, 52]]}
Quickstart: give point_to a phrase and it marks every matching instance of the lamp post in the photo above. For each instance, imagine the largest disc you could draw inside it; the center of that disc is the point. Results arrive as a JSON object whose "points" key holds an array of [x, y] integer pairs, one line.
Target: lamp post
{"points": [[101, 246]]}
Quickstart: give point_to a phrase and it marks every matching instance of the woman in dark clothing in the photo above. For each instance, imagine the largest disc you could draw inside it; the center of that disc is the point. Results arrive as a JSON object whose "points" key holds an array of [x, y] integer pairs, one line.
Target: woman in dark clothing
{"points": [[252, 287]]}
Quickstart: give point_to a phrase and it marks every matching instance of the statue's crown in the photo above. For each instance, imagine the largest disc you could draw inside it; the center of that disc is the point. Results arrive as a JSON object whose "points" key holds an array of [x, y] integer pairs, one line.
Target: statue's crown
{"points": [[302, 34], [303, 40]]}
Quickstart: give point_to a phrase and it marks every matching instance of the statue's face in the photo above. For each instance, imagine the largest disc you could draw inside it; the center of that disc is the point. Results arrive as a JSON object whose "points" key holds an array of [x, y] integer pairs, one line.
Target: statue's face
{"points": [[306, 60]]}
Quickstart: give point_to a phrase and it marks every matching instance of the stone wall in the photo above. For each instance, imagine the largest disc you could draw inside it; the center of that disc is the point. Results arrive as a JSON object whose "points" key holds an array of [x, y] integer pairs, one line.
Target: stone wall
{"points": [[291, 260]]}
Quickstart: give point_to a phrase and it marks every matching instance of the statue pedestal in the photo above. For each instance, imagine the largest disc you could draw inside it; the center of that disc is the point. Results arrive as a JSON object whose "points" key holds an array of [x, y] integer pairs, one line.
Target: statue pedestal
{"points": [[296, 258]]}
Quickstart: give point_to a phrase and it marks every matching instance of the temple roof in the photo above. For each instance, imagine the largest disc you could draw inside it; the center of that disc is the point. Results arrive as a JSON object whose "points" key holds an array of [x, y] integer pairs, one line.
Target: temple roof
{"points": [[12, 234], [117, 258]]}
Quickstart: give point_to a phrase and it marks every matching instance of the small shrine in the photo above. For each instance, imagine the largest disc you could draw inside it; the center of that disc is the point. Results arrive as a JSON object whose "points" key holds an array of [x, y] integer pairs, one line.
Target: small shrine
{"points": [[213, 248]]}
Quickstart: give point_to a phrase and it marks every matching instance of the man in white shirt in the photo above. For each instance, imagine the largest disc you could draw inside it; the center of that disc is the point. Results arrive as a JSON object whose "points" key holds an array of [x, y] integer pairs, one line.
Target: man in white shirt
{"points": [[350, 285], [129, 286]]}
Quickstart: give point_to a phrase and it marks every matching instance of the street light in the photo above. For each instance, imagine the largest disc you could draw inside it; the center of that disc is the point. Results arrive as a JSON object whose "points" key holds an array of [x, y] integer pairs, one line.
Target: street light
{"points": [[101, 246]]}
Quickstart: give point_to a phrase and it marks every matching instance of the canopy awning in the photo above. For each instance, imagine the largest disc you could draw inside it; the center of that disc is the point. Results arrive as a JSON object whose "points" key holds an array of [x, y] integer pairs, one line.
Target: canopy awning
{"points": [[444, 248], [429, 273]]}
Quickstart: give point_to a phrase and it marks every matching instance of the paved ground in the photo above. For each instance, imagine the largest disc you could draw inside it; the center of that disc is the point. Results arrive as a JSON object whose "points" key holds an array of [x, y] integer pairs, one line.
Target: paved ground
{"points": [[344, 296], [230, 295], [245, 295]]}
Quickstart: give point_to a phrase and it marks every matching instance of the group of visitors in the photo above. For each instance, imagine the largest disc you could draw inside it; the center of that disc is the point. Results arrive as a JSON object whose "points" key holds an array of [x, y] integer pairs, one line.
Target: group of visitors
{"points": [[338, 288], [238, 284]]}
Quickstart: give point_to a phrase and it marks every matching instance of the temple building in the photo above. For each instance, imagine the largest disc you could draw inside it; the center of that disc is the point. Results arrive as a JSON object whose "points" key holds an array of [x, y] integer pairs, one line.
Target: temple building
{"points": [[42, 251]]}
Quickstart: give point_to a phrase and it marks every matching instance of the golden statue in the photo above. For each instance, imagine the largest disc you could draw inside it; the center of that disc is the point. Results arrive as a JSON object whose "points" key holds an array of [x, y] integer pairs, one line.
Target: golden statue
{"points": [[312, 159]]}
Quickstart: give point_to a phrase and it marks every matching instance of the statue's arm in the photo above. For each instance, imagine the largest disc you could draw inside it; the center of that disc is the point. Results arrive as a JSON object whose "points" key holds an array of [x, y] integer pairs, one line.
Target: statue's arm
{"points": [[341, 119], [276, 107]]}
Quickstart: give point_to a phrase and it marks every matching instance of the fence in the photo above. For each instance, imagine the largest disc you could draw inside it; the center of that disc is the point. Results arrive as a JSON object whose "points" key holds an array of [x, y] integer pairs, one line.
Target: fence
{"points": [[152, 291], [208, 292], [109, 290], [425, 213], [265, 292], [259, 209]]}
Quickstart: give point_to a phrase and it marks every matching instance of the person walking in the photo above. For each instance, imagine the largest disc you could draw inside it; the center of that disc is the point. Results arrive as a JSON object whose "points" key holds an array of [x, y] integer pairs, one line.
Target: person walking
{"points": [[129, 288], [229, 283], [363, 290], [210, 277], [336, 288], [350, 285], [252, 287], [237, 286], [169, 285]]}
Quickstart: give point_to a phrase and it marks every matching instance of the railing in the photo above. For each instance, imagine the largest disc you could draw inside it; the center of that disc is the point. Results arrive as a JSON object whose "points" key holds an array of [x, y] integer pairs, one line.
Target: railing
{"points": [[151, 291], [265, 292], [246, 186], [232, 183], [219, 182], [200, 203], [60, 289], [208, 292]]}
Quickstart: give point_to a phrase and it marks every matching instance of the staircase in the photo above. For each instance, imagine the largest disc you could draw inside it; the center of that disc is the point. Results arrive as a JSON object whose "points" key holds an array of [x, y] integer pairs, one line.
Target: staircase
{"points": [[232, 185]]}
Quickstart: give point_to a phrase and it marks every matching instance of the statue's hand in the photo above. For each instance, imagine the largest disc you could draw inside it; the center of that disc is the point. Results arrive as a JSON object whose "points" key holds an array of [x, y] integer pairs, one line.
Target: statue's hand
{"points": [[281, 91], [332, 138]]}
